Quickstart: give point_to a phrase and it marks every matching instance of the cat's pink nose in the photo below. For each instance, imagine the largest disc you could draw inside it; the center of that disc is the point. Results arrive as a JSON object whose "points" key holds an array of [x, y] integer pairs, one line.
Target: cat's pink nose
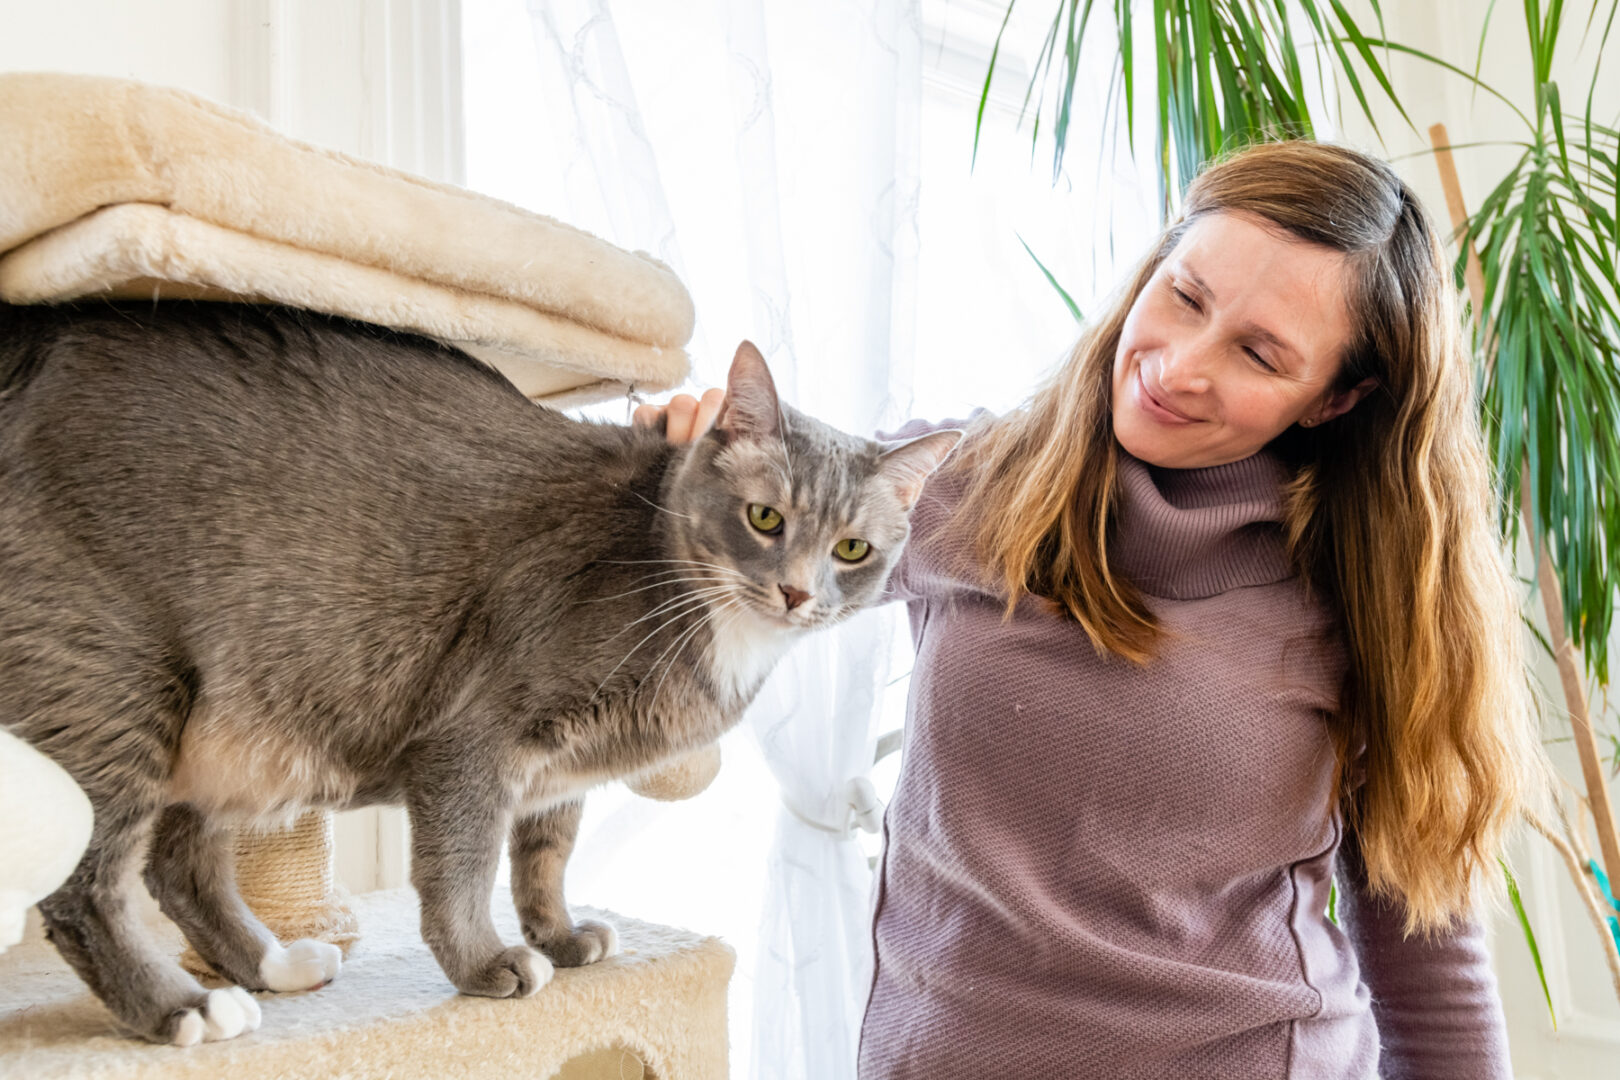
{"points": [[794, 597]]}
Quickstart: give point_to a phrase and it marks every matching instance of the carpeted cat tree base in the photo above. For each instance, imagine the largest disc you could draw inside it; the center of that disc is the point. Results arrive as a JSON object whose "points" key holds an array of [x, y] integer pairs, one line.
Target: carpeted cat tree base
{"points": [[657, 1010]]}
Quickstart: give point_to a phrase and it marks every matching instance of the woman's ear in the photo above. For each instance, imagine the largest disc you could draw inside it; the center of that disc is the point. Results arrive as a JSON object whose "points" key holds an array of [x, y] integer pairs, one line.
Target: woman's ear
{"points": [[1341, 402]]}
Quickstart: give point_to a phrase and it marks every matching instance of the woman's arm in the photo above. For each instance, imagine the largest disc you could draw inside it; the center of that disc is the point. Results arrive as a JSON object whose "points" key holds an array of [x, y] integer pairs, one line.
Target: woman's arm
{"points": [[1435, 999]]}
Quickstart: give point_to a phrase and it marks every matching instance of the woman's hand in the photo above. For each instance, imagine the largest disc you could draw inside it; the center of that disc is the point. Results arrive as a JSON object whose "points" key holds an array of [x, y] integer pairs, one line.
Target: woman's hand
{"points": [[686, 417]]}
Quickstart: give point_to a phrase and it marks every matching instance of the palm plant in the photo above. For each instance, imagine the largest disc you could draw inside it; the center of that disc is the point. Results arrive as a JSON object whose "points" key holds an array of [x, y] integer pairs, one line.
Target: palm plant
{"points": [[1544, 307], [1226, 72], [1539, 259]]}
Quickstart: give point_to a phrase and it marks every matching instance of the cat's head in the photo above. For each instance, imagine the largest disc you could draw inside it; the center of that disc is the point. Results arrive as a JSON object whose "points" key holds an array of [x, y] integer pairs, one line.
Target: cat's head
{"points": [[802, 521]]}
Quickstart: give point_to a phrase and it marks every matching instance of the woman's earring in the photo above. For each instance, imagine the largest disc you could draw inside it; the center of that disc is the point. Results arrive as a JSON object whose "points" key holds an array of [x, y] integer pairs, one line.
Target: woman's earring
{"points": [[1306, 423]]}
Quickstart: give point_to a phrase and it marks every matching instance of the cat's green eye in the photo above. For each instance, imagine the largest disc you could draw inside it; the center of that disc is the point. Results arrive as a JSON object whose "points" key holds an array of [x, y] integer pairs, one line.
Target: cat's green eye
{"points": [[767, 519], [852, 550]]}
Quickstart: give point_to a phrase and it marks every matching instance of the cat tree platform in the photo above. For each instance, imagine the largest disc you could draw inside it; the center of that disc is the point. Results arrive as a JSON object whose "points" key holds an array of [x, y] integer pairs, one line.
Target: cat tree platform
{"points": [[657, 1010]]}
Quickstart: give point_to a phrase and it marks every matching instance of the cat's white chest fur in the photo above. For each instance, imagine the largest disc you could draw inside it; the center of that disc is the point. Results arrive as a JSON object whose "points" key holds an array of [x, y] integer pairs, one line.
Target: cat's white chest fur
{"points": [[745, 648]]}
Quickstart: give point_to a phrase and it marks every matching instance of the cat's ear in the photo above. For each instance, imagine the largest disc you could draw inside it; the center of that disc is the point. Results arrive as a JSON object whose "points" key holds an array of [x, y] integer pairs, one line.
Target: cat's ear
{"points": [[908, 464], [751, 409]]}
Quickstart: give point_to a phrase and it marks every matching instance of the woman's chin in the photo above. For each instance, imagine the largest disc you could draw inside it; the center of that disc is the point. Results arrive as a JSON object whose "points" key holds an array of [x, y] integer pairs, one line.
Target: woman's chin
{"points": [[1145, 440]]}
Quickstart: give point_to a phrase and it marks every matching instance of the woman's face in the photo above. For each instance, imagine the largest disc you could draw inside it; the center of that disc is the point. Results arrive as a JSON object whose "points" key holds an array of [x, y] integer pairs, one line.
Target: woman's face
{"points": [[1237, 336]]}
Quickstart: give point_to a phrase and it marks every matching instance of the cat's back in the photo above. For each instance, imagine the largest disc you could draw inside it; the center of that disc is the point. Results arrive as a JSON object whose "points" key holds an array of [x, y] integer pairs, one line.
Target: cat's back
{"points": [[230, 435], [221, 400], [174, 365]]}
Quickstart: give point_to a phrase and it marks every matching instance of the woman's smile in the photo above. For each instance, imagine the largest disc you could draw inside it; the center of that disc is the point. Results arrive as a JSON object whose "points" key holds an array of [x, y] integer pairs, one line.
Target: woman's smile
{"points": [[1153, 408]]}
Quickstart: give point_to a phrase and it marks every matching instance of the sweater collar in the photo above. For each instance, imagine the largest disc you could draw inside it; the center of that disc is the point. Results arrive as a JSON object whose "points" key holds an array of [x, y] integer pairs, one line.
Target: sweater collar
{"points": [[1183, 534]]}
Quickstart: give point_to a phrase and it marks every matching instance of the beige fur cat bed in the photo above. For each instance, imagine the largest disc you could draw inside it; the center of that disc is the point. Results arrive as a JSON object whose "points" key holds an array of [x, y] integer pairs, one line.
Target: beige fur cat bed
{"points": [[114, 188]]}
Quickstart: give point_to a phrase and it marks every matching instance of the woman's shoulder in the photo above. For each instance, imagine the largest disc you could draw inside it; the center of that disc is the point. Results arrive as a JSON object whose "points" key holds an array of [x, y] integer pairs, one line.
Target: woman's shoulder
{"points": [[916, 428], [944, 488], [937, 557]]}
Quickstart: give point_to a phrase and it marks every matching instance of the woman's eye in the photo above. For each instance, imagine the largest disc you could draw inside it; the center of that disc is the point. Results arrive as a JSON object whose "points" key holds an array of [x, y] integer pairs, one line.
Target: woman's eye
{"points": [[851, 550], [767, 519], [1257, 358], [1184, 298]]}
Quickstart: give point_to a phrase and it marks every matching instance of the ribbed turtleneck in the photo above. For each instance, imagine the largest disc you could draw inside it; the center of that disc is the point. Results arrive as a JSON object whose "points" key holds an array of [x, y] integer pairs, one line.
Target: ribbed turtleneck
{"points": [[1100, 868], [1183, 534]]}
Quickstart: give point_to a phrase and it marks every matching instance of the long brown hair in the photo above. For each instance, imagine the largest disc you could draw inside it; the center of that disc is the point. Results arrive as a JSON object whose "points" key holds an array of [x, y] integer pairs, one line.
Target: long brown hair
{"points": [[1391, 514]]}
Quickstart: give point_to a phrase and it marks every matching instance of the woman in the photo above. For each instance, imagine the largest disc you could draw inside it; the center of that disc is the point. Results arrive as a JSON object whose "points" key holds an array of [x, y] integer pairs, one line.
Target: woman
{"points": [[1218, 616]]}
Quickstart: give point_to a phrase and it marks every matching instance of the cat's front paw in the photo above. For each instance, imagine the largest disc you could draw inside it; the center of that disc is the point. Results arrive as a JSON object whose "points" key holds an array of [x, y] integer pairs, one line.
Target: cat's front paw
{"points": [[586, 943], [515, 972], [303, 965], [221, 1014]]}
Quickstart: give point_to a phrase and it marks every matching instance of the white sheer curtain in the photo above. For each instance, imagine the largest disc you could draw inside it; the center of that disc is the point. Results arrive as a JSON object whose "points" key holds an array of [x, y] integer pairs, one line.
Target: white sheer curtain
{"points": [[828, 145], [769, 151], [816, 106]]}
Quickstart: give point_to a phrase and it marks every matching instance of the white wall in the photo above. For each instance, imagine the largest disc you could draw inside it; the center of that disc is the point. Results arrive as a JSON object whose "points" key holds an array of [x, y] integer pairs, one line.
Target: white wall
{"points": [[1587, 1043], [186, 43]]}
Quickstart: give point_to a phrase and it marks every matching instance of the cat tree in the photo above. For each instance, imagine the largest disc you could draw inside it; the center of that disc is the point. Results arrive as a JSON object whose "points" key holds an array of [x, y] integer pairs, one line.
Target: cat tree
{"points": [[115, 189]]}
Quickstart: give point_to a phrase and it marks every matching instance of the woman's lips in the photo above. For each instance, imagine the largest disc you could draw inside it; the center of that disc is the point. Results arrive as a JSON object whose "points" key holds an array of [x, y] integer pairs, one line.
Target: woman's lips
{"points": [[1151, 406]]}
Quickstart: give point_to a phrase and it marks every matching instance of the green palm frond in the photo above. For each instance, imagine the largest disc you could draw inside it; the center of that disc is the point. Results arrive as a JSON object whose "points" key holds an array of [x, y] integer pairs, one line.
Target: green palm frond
{"points": [[1226, 73], [1547, 336], [1068, 301], [1529, 938]]}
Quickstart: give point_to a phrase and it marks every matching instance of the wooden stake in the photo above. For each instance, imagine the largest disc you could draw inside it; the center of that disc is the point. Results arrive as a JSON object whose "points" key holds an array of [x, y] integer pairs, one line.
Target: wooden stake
{"points": [[1552, 599]]}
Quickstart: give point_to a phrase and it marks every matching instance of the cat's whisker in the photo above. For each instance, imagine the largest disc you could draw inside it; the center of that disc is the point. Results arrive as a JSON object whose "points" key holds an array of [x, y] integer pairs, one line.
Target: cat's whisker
{"points": [[655, 585], [683, 641], [655, 506], [733, 611], [686, 562], [668, 622], [680, 639], [701, 594], [675, 573], [651, 633]]}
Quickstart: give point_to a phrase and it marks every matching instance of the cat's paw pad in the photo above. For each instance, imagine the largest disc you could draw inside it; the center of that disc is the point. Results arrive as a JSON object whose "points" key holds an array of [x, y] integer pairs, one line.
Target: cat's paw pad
{"points": [[588, 942], [223, 1014], [303, 965], [515, 972]]}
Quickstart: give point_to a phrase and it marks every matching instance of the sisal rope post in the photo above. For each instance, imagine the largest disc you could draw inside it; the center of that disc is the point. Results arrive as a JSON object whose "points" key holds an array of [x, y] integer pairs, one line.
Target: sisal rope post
{"points": [[285, 878]]}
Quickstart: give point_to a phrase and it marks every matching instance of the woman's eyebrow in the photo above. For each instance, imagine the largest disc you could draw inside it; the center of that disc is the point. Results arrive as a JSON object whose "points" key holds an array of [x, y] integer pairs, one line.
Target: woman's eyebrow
{"points": [[1253, 329]]}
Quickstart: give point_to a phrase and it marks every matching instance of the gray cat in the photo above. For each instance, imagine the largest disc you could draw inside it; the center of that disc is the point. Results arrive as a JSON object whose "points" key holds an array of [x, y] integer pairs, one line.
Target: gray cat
{"points": [[255, 560]]}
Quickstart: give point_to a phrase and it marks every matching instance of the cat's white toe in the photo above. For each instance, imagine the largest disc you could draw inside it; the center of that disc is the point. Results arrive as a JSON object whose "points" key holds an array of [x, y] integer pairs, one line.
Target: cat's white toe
{"points": [[250, 1008], [303, 965], [189, 1031], [608, 937], [228, 1013], [536, 971]]}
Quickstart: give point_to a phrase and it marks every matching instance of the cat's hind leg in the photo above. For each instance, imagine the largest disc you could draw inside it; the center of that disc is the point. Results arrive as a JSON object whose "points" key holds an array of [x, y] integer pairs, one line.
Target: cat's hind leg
{"points": [[540, 846], [93, 922], [191, 872], [107, 711]]}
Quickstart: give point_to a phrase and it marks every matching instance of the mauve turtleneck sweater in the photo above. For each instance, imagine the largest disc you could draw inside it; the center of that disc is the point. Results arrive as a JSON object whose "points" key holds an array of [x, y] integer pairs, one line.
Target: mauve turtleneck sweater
{"points": [[1092, 869]]}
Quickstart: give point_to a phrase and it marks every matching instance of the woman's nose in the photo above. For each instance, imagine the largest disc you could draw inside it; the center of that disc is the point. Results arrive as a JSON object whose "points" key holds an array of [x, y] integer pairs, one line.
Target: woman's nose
{"points": [[1184, 366]]}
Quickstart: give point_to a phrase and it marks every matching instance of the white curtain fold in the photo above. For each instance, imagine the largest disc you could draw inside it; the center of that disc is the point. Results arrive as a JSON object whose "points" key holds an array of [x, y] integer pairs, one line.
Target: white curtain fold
{"points": [[826, 99], [609, 167]]}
